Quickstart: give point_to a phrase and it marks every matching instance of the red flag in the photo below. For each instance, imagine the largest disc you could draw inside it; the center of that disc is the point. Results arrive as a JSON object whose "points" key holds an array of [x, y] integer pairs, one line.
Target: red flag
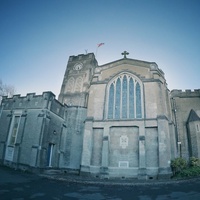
{"points": [[100, 44]]}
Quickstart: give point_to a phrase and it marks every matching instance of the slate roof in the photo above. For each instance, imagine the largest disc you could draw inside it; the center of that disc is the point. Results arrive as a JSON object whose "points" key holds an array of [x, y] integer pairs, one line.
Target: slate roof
{"points": [[193, 116]]}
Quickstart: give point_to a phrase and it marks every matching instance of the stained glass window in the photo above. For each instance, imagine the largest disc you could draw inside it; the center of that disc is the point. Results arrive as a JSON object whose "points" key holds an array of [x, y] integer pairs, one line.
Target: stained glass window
{"points": [[118, 99], [138, 101], [124, 98], [131, 98], [111, 102]]}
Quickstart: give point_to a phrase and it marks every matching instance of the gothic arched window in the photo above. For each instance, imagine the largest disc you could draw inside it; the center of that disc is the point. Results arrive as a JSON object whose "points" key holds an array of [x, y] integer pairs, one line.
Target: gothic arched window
{"points": [[124, 98]]}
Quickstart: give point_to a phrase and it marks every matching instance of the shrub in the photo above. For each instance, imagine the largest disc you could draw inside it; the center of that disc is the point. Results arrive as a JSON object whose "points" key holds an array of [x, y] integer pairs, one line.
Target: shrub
{"points": [[181, 169], [189, 172], [178, 164], [194, 162]]}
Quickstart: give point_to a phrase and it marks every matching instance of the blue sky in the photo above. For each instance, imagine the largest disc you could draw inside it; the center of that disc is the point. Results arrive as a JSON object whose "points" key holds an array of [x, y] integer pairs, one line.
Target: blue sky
{"points": [[38, 36]]}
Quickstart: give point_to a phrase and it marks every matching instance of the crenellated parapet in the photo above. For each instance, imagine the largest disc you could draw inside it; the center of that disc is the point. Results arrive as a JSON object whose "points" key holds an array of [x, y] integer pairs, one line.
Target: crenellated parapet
{"points": [[185, 93], [32, 101], [81, 57]]}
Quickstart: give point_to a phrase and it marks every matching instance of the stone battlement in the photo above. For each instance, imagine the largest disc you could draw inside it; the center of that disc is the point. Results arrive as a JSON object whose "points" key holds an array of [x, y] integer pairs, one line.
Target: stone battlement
{"points": [[185, 93], [28, 97], [32, 101], [81, 57]]}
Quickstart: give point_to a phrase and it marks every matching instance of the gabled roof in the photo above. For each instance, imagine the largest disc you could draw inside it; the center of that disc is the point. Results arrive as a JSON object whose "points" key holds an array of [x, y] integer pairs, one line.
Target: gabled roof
{"points": [[193, 116], [129, 60]]}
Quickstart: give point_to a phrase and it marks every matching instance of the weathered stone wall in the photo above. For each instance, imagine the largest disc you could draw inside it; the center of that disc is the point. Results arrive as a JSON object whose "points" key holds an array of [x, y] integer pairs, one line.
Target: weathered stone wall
{"points": [[76, 82], [152, 154], [182, 103], [194, 139], [41, 119], [124, 147], [96, 102], [97, 147], [5, 121], [145, 143], [75, 118]]}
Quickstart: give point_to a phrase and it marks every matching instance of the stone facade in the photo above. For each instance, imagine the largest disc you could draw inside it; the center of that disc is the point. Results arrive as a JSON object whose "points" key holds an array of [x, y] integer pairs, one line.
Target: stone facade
{"points": [[186, 112], [35, 132], [114, 120]]}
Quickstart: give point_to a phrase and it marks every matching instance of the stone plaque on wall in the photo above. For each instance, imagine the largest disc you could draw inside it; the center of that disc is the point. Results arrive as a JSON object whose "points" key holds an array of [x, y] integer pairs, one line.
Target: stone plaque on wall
{"points": [[123, 164], [123, 141]]}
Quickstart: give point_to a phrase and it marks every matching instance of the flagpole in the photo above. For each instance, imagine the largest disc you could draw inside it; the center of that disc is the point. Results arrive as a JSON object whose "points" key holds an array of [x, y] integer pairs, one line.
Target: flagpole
{"points": [[98, 45]]}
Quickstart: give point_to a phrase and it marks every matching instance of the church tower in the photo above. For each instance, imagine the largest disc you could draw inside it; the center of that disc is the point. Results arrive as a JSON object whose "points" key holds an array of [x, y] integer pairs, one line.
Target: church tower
{"points": [[77, 78]]}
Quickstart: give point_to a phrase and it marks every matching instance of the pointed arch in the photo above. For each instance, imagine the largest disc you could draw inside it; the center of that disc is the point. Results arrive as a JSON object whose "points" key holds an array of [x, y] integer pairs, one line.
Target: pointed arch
{"points": [[124, 97]]}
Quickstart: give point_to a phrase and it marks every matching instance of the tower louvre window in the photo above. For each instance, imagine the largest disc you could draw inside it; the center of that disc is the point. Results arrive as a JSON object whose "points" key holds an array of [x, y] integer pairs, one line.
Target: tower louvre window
{"points": [[124, 98]]}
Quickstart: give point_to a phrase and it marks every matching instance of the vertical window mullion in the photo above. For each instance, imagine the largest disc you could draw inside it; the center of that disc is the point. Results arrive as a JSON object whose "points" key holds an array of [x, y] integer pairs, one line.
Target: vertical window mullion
{"points": [[124, 98]]}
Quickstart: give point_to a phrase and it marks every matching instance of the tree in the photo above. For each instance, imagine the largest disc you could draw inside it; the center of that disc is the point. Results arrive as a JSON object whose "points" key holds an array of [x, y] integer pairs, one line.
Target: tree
{"points": [[6, 90]]}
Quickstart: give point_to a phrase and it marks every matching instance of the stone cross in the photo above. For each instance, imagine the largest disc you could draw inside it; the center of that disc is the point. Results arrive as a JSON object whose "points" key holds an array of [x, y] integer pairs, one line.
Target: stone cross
{"points": [[125, 53]]}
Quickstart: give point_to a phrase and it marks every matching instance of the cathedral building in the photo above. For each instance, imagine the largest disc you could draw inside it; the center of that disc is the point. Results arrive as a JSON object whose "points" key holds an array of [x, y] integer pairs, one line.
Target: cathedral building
{"points": [[114, 120]]}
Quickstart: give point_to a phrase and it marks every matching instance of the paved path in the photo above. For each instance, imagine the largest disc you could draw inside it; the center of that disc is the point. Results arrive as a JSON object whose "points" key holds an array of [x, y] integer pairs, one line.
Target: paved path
{"points": [[16, 185]]}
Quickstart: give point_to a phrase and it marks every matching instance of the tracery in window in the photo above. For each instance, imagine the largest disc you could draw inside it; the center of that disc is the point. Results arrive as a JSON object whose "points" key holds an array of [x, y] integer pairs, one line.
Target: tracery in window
{"points": [[124, 98]]}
